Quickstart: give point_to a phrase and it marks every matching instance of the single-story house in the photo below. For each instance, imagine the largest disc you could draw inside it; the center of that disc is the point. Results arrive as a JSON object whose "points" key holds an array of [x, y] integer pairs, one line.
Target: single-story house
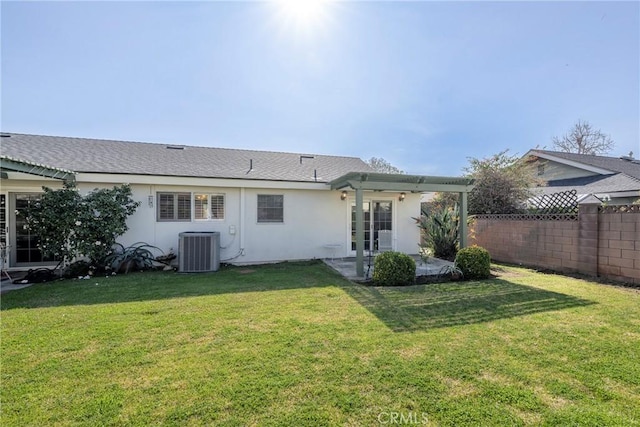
{"points": [[615, 180], [267, 206]]}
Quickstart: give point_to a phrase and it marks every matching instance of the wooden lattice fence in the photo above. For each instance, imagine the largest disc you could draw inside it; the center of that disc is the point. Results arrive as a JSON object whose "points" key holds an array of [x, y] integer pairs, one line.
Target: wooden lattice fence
{"points": [[556, 203]]}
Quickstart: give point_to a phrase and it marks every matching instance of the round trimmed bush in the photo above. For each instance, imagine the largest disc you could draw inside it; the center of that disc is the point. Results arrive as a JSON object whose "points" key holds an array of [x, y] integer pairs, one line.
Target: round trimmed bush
{"points": [[475, 262], [394, 269]]}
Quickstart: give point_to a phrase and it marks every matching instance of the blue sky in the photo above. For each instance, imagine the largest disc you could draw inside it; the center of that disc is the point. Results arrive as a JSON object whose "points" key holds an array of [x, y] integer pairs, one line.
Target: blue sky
{"points": [[424, 85]]}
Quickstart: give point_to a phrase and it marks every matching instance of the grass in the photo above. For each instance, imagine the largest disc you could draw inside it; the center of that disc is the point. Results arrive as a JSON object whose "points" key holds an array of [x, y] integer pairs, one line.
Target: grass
{"points": [[295, 344]]}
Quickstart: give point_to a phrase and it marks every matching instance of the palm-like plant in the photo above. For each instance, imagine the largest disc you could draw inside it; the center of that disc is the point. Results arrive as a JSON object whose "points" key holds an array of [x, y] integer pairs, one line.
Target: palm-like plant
{"points": [[138, 256], [440, 232]]}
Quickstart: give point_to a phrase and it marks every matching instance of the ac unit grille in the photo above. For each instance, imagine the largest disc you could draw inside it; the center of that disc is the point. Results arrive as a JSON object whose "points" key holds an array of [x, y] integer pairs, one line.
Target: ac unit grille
{"points": [[199, 252]]}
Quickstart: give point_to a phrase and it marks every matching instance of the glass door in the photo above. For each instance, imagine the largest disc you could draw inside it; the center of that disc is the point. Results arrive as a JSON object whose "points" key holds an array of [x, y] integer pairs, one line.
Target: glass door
{"points": [[24, 250], [381, 226], [366, 208], [3, 231], [377, 225]]}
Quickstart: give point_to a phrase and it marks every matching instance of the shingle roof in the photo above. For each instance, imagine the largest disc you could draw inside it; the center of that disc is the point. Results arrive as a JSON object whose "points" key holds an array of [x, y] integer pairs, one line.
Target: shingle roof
{"points": [[594, 184], [614, 164], [125, 157]]}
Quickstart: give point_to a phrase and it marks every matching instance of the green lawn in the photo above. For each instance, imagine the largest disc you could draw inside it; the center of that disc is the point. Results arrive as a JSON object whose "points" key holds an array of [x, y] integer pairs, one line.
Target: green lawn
{"points": [[295, 344]]}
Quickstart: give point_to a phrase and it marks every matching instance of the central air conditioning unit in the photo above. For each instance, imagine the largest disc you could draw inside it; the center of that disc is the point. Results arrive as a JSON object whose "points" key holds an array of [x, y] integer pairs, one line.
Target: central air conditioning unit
{"points": [[199, 251]]}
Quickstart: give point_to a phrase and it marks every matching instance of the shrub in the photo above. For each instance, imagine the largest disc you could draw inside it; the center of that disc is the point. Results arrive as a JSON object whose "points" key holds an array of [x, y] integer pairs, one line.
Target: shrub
{"points": [[70, 226], [394, 269], [475, 262]]}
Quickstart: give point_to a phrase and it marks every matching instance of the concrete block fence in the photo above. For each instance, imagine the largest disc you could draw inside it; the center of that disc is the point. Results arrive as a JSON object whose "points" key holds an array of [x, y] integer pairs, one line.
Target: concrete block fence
{"points": [[601, 241]]}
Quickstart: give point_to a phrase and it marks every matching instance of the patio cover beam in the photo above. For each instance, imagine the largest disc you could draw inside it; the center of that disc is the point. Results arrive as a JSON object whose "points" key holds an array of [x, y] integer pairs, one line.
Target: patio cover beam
{"points": [[406, 187], [8, 164]]}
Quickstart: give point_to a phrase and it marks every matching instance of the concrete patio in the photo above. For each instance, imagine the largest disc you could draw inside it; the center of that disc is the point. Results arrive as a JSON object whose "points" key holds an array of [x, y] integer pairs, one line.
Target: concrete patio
{"points": [[10, 281], [347, 267]]}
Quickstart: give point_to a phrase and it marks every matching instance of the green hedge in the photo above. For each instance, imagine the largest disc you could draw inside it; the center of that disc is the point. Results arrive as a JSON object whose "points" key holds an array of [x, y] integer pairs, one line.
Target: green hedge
{"points": [[475, 262], [394, 269]]}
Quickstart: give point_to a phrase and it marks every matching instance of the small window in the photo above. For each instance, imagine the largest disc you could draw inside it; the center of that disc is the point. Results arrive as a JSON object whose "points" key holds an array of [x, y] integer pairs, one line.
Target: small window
{"points": [[174, 207], [217, 206], [209, 206], [270, 208], [540, 170]]}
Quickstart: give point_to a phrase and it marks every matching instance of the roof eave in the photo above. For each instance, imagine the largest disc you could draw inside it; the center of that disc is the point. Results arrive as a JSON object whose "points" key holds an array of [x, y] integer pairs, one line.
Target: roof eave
{"points": [[567, 162]]}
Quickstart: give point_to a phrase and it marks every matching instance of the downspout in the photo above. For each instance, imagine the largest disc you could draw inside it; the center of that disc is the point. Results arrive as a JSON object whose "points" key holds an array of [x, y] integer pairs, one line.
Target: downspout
{"points": [[242, 220], [154, 215]]}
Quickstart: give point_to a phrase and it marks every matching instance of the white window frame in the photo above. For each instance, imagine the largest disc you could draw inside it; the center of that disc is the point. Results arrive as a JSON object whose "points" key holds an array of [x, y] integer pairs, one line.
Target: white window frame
{"points": [[209, 196], [268, 221], [175, 195]]}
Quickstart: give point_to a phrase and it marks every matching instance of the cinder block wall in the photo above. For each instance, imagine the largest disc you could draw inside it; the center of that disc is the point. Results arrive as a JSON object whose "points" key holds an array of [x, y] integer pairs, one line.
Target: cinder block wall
{"points": [[619, 245], [571, 246], [534, 243]]}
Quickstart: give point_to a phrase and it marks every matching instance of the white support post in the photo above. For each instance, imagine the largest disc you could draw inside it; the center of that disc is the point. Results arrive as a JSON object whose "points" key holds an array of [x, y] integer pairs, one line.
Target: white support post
{"points": [[359, 233], [462, 226]]}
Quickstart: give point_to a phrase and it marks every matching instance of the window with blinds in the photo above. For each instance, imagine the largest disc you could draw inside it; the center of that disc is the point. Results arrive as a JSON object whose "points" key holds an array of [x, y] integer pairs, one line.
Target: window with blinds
{"points": [[174, 206], [270, 208], [208, 206]]}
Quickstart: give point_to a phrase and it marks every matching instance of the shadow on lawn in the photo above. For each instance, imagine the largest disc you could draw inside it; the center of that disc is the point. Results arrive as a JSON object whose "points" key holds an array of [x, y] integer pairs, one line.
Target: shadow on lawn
{"points": [[154, 286], [408, 308], [413, 308]]}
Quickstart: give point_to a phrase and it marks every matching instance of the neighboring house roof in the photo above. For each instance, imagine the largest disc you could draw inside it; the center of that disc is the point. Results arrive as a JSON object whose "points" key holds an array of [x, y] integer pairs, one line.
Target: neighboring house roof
{"points": [[137, 158], [598, 184], [625, 165], [611, 175]]}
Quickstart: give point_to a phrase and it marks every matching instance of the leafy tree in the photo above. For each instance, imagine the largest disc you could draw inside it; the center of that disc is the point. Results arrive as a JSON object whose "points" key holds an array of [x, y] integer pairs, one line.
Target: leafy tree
{"points": [[70, 226], [584, 139], [502, 184], [440, 201], [382, 166]]}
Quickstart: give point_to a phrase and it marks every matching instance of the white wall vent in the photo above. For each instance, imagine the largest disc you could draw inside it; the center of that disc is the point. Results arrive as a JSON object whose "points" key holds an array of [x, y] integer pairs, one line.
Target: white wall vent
{"points": [[199, 251]]}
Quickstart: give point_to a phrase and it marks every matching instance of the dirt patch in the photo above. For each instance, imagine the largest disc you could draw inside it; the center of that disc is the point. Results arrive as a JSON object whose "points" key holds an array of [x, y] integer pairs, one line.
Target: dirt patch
{"points": [[497, 271], [246, 271]]}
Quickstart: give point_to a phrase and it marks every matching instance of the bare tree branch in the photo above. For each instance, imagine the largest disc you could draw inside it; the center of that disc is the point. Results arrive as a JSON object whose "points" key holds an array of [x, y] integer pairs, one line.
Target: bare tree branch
{"points": [[383, 166], [584, 139]]}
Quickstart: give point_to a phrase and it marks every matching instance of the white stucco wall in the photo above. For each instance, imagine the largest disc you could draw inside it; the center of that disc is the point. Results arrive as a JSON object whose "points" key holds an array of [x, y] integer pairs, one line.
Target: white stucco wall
{"points": [[408, 233], [316, 221], [316, 224]]}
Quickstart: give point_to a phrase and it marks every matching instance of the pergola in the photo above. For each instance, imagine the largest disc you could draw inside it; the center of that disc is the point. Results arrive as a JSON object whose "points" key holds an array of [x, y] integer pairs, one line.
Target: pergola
{"points": [[366, 181], [8, 164]]}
